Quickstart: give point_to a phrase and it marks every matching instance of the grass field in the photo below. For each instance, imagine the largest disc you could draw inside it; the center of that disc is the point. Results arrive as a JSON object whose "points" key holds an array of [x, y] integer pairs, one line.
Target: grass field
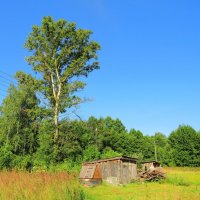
{"points": [[181, 184], [39, 186]]}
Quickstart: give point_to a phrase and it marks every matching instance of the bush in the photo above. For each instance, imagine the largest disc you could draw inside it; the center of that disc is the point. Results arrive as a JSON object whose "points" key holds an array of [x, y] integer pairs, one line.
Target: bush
{"points": [[66, 166], [109, 153], [91, 153], [23, 163], [6, 157]]}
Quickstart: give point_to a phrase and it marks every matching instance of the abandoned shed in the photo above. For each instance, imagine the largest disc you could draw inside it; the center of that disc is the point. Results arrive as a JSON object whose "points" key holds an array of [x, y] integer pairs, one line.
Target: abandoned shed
{"points": [[150, 165], [117, 170], [90, 175]]}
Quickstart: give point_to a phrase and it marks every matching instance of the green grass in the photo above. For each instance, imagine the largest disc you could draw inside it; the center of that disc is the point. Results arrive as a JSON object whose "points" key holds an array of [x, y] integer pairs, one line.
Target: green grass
{"points": [[180, 184], [189, 175]]}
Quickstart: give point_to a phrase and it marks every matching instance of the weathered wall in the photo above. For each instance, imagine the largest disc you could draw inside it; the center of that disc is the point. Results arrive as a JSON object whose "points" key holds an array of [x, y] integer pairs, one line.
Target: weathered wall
{"points": [[128, 172], [117, 171]]}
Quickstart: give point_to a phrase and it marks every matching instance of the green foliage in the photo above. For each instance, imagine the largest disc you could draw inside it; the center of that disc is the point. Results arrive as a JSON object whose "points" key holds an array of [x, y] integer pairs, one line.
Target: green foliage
{"points": [[6, 157], [162, 148], [61, 54], [140, 159], [70, 143], [139, 144], [23, 163], [68, 166], [19, 122], [91, 153], [43, 157], [81, 140], [184, 143], [109, 153], [86, 140]]}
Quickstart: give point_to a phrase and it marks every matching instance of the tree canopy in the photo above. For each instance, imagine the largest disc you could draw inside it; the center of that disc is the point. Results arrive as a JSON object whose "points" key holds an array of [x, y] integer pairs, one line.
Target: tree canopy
{"points": [[62, 54]]}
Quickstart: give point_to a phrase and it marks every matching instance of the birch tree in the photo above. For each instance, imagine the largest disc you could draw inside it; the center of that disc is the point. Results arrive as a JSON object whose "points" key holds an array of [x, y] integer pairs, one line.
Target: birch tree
{"points": [[61, 54]]}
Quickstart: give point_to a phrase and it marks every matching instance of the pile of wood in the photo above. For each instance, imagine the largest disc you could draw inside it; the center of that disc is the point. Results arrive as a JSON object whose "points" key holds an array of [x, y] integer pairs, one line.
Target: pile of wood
{"points": [[152, 175]]}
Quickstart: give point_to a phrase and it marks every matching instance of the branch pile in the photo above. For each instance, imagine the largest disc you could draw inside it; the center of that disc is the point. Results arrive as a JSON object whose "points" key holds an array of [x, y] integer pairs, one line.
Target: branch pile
{"points": [[151, 175]]}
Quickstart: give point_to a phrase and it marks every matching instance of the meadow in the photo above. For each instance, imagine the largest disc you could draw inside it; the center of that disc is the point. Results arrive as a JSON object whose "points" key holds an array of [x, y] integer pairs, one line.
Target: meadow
{"points": [[180, 184], [39, 186]]}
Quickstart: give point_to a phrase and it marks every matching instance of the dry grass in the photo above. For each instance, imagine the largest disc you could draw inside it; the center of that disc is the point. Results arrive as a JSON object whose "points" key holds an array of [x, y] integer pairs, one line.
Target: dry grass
{"points": [[39, 186], [181, 184]]}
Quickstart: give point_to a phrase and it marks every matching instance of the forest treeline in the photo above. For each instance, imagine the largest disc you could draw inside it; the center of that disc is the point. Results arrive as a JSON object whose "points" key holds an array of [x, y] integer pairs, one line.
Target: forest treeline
{"points": [[27, 136]]}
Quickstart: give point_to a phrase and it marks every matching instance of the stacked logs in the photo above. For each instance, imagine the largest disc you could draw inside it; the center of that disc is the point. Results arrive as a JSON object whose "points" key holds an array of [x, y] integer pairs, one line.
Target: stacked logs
{"points": [[151, 175]]}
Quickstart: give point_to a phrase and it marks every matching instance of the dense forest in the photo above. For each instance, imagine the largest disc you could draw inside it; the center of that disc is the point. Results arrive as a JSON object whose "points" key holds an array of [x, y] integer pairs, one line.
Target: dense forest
{"points": [[37, 134], [27, 137]]}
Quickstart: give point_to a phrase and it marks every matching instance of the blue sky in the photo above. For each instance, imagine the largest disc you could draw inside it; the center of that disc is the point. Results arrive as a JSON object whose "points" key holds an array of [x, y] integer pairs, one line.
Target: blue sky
{"points": [[150, 57]]}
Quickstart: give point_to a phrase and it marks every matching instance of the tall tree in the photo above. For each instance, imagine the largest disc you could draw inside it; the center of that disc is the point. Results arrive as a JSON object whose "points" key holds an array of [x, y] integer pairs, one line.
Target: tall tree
{"points": [[184, 142], [61, 54], [19, 120], [161, 148]]}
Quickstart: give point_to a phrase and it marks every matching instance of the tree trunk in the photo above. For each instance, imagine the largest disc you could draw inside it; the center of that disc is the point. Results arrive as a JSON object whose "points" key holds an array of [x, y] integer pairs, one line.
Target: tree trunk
{"points": [[56, 95], [56, 123], [155, 151]]}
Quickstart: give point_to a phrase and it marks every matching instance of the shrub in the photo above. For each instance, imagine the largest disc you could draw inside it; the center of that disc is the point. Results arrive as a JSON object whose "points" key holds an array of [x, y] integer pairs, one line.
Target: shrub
{"points": [[91, 153], [109, 153]]}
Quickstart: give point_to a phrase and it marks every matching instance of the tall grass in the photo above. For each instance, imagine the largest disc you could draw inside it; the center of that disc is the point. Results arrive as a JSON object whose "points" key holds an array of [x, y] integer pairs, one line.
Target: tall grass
{"points": [[181, 184], [39, 186]]}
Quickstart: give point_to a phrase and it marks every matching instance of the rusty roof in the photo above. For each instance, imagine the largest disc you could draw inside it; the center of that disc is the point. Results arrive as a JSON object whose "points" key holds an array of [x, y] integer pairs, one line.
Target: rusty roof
{"points": [[123, 158]]}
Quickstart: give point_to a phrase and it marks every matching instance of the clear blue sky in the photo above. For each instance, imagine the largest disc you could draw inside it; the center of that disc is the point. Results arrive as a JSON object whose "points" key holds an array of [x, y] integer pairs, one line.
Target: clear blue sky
{"points": [[150, 57]]}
